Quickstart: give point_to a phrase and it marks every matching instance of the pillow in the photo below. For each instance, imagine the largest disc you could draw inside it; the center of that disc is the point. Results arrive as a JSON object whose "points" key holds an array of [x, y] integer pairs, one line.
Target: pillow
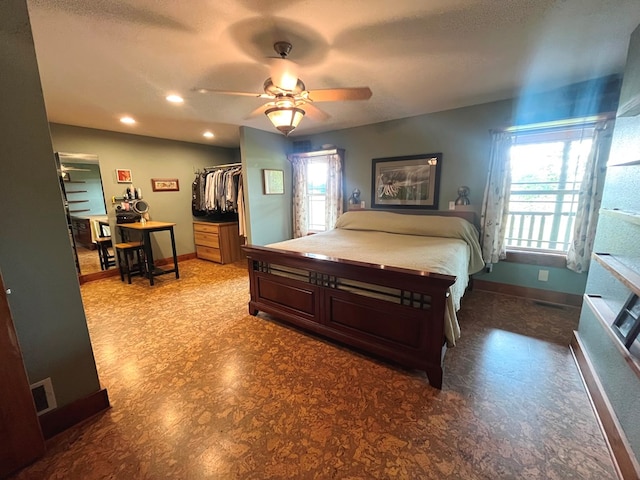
{"points": [[423, 225]]}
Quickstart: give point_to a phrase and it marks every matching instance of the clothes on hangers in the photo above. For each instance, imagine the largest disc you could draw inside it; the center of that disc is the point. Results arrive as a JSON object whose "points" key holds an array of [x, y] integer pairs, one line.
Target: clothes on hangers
{"points": [[217, 191]]}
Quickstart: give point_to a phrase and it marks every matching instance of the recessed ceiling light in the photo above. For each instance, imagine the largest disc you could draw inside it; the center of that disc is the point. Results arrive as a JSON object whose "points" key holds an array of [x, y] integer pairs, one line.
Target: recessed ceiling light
{"points": [[128, 120], [208, 134], [174, 98]]}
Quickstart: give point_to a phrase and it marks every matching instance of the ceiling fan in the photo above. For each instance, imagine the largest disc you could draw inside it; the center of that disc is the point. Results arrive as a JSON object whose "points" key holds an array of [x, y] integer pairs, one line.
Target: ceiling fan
{"points": [[290, 100]]}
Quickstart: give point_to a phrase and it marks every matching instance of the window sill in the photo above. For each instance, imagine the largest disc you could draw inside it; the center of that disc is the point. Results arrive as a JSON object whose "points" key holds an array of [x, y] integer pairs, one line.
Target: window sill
{"points": [[543, 259]]}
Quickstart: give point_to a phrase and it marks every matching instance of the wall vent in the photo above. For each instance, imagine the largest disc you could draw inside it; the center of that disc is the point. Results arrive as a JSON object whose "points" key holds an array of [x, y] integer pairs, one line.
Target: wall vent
{"points": [[43, 396], [301, 146]]}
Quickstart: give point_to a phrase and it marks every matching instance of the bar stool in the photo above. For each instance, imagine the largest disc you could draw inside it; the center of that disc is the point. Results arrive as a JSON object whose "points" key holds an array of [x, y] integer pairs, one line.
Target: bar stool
{"points": [[125, 252], [107, 259], [103, 244]]}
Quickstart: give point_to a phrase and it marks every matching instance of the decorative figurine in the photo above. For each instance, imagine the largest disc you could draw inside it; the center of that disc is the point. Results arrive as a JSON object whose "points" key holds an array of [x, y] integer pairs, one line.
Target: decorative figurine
{"points": [[463, 196], [354, 199]]}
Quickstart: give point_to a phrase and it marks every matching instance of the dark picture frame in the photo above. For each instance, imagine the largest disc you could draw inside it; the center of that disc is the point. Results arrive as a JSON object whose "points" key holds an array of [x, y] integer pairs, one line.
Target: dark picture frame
{"points": [[627, 323], [411, 181]]}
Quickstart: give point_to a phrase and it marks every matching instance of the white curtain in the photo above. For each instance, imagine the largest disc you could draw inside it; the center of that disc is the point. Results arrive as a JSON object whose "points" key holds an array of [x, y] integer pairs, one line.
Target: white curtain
{"points": [[300, 217], [590, 197], [333, 204], [495, 205], [333, 199]]}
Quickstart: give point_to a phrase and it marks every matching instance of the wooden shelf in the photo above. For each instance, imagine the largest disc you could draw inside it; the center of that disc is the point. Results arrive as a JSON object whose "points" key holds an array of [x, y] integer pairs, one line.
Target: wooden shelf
{"points": [[631, 217], [624, 163], [628, 277], [606, 316]]}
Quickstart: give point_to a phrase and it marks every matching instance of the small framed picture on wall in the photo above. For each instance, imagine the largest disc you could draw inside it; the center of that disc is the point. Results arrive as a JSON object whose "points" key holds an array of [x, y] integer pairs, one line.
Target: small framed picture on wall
{"points": [[123, 175], [165, 184], [273, 182]]}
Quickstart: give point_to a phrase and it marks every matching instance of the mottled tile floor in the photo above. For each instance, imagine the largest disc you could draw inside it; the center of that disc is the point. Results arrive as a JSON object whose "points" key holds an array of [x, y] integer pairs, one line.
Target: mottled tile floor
{"points": [[200, 389], [89, 260]]}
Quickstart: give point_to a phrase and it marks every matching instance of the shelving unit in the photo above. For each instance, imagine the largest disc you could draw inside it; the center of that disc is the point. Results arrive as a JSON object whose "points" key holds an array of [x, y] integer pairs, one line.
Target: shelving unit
{"points": [[629, 217], [630, 279], [71, 200]]}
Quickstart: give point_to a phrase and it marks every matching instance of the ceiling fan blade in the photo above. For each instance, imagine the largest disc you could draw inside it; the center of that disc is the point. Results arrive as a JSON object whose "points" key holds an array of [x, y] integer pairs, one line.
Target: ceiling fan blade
{"points": [[314, 112], [230, 92], [259, 111], [339, 94]]}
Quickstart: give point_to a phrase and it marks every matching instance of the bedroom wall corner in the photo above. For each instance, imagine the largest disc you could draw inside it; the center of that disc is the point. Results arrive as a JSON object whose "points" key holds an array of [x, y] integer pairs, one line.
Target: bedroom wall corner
{"points": [[268, 217], [45, 299], [523, 275]]}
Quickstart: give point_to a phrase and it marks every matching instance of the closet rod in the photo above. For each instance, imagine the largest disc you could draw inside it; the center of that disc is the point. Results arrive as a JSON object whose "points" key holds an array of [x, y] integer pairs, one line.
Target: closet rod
{"points": [[224, 166]]}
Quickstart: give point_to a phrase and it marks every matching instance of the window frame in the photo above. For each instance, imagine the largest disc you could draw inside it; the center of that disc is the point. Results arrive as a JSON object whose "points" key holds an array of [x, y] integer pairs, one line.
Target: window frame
{"points": [[573, 130]]}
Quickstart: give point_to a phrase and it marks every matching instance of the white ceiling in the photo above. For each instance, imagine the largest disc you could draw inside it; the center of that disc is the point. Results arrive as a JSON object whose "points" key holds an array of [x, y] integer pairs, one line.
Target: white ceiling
{"points": [[101, 59]]}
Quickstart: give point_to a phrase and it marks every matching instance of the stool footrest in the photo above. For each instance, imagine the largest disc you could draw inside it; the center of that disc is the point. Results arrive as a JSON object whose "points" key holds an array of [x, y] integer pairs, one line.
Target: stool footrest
{"points": [[125, 252], [127, 245]]}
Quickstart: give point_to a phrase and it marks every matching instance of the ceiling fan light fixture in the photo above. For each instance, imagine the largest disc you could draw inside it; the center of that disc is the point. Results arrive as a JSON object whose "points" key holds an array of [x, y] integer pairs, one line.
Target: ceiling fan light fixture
{"points": [[285, 119], [284, 74]]}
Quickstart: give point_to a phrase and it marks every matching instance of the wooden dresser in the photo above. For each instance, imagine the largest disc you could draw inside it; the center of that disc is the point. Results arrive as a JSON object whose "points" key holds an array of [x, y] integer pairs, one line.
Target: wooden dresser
{"points": [[217, 241]]}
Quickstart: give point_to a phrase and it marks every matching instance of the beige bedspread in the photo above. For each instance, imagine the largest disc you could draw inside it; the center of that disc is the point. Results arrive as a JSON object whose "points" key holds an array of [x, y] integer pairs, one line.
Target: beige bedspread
{"points": [[439, 254]]}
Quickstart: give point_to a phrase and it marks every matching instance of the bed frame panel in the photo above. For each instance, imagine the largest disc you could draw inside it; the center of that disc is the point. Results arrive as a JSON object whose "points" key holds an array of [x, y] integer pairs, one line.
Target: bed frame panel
{"points": [[350, 302]]}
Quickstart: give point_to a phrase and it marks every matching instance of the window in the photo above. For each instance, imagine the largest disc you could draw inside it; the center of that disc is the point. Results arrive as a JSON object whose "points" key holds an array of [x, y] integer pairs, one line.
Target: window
{"points": [[547, 168], [317, 194], [317, 190]]}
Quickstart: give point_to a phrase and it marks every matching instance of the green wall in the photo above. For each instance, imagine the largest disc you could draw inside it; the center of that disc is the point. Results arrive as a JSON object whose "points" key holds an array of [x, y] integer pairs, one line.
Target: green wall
{"points": [[523, 275], [36, 259], [269, 217], [462, 135], [147, 158]]}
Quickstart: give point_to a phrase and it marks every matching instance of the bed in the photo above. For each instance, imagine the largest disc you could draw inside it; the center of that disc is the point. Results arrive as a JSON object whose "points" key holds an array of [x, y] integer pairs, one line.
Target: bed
{"points": [[387, 284]]}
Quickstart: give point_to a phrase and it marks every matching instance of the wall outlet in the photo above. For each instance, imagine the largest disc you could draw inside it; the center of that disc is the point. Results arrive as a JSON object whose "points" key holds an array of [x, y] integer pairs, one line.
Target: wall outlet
{"points": [[452, 205], [543, 275], [43, 396]]}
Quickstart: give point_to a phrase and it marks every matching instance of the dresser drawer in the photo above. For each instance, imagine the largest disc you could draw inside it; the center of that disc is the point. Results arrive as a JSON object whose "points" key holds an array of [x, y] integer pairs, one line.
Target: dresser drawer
{"points": [[206, 239], [209, 253], [206, 227]]}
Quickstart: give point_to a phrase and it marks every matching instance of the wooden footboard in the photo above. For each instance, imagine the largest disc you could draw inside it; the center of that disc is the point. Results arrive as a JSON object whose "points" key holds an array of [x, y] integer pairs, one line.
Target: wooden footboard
{"points": [[393, 313]]}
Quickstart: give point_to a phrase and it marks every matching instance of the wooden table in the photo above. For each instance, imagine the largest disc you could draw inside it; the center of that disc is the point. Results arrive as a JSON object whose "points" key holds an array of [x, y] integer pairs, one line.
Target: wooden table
{"points": [[147, 228]]}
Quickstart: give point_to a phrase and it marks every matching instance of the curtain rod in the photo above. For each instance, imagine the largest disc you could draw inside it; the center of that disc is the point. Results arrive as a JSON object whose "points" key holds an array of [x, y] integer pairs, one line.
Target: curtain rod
{"points": [[570, 122]]}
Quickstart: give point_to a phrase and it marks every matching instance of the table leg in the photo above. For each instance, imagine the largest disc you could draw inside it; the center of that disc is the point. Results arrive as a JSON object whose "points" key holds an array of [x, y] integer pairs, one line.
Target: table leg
{"points": [[148, 253], [175, 256]]}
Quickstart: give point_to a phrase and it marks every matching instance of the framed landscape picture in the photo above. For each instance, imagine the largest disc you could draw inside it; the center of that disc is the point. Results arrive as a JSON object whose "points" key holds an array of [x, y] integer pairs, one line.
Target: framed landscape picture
{"points": [[406, 182], [273, 182]]}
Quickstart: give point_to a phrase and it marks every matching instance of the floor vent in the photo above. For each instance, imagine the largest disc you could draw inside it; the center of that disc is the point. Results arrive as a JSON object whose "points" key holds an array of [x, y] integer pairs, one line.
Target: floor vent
{"points": [[548, 304], [43, 396]]}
